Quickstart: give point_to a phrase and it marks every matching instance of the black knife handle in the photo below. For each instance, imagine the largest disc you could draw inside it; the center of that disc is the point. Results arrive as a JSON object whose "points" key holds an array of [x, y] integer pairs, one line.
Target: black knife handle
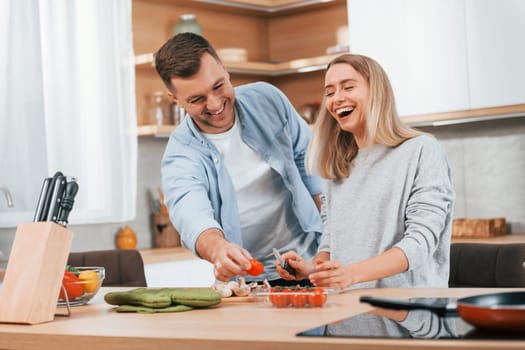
{"points": [[59, 184], [288, 268], [68, 199]]}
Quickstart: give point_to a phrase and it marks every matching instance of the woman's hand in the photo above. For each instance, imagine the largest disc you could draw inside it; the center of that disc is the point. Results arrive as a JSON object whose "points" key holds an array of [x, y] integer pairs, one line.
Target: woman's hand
{"points": [[302, 268], [332, 274]]}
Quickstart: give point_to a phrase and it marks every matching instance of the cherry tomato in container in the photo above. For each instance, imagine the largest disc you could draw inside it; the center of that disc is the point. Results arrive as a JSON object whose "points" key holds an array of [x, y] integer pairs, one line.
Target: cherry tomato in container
{"points": [[74, 289], [256, 267], [317, 297], [279, 297], [298, 298]]}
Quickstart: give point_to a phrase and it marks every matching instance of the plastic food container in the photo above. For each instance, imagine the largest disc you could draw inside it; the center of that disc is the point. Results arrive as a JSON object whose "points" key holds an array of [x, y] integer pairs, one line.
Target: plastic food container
{"points": [[293, 297]]}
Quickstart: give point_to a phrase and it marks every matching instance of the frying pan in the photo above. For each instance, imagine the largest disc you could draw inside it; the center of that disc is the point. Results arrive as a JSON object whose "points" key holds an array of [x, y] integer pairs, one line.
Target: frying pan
{"points": [[500, 312]]}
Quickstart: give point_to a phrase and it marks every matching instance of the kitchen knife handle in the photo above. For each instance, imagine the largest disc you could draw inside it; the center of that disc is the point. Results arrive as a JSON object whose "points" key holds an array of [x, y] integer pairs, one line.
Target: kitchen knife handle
{"points": [[68, 199], [42, 200], [59, 183], [49, 194], [284, 263]]}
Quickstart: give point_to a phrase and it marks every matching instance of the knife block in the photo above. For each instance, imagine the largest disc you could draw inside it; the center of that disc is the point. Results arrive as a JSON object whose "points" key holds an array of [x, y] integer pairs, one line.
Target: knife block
{"points": [[34, 273]]}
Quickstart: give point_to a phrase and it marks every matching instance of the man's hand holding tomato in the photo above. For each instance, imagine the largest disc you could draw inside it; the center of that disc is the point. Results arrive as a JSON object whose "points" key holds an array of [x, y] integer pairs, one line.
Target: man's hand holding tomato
{"points": [[230, 260]]}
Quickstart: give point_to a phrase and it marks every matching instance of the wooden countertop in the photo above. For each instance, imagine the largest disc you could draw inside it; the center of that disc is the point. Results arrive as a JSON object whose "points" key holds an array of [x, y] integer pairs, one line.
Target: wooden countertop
{"points": [[230, 325], [514, 238]]}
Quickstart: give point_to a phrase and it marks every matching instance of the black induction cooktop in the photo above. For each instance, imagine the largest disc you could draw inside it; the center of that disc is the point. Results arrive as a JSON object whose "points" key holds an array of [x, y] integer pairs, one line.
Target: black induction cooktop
{"points": [[415, 324]]}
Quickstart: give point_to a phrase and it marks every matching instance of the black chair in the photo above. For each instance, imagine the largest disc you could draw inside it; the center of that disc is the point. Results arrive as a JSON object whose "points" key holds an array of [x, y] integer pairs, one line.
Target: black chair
{"points": [[487, 265], [124, 268]]}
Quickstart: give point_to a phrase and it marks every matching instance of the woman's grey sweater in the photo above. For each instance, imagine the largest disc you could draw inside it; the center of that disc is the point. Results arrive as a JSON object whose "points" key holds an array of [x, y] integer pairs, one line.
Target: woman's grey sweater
{"points": [[395, 196]]}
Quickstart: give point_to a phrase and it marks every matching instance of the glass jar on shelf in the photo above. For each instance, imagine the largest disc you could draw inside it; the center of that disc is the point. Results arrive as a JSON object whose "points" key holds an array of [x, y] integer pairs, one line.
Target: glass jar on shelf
{"points": [[177, 113], [187, 23], [158, 109]]}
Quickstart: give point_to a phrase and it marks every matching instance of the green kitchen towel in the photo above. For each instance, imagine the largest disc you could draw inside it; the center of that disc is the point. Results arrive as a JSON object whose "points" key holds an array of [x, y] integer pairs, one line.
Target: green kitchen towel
{"points": [[159, 298], [150, 310]]}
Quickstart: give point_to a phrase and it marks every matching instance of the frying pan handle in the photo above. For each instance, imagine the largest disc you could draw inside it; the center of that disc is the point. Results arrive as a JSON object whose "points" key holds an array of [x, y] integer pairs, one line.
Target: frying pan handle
{"points": [[400, 304]]}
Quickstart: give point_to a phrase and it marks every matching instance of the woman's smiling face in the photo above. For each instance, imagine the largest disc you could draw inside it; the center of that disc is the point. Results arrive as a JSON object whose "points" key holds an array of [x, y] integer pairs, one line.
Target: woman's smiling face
{"points": [[346, 98]]}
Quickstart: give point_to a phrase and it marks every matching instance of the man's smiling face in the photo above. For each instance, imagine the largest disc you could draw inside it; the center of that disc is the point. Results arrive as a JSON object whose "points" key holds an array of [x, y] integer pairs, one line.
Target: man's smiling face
{"points": [[208, 96]]}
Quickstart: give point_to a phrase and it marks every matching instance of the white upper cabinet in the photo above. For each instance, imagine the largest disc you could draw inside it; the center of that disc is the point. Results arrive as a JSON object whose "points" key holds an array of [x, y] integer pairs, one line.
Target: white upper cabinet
{"points": [[496, 51], [444, 55]]}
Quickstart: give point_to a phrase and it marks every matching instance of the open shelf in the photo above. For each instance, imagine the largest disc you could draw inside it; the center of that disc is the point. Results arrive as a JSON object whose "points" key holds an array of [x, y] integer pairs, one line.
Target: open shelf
{"points": [[267, 7], [155, 130], [466, 116], [302, 65], [437, 119]]}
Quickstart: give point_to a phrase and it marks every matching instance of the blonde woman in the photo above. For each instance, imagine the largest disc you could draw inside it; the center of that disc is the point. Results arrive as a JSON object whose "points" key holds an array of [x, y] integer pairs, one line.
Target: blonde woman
{"points": [[388, 190]]}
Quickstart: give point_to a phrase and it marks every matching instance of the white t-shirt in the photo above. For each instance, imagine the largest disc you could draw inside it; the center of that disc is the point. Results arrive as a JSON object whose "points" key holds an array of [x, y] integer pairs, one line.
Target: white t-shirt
{"points": [[264, 204]]}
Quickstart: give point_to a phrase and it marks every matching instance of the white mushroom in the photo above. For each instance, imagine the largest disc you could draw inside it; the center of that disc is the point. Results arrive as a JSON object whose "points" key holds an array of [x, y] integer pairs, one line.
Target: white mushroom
{"points": [[232, 285], [243, 289], [225, 292], [267, 284], [223, 289]]}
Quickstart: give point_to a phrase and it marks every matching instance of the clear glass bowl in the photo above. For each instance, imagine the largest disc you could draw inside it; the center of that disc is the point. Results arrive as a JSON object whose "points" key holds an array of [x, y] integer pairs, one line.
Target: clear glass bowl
{"points": [[81, 285]]}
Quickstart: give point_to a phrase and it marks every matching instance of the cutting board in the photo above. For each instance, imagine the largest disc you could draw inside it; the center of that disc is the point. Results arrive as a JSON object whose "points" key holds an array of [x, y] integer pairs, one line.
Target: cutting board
{"points": [[233, 299], [479, 228]]}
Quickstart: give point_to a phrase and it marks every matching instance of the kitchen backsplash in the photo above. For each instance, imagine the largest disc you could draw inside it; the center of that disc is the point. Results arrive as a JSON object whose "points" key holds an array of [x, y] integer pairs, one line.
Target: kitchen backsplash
{"points": [[488, 163], [487, 160]]}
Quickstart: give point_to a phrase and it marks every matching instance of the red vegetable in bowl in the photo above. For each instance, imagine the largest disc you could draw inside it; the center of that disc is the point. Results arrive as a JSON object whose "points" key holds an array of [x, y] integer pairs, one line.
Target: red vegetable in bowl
{"points": [[74, 289]]}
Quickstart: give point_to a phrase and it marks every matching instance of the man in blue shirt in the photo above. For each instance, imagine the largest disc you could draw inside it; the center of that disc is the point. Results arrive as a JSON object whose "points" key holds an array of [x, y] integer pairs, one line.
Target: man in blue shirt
{"points": [[233, 173]]}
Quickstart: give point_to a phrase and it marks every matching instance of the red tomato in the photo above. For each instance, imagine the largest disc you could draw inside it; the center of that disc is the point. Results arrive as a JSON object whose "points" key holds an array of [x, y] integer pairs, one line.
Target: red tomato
{"points": [[73, 288], [298, 298], [279, 297], [256, 268], [317, 297]]}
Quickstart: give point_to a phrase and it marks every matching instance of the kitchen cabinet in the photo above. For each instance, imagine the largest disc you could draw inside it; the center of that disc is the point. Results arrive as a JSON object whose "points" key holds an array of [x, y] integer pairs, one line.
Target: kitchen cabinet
{"points": [[417, 44], [495, 31], [283, 46], [445, 56]]}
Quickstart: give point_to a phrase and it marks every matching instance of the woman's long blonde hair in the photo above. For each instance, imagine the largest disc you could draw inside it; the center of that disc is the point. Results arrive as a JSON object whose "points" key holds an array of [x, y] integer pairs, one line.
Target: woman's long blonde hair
{"points": [[332, 149]]}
